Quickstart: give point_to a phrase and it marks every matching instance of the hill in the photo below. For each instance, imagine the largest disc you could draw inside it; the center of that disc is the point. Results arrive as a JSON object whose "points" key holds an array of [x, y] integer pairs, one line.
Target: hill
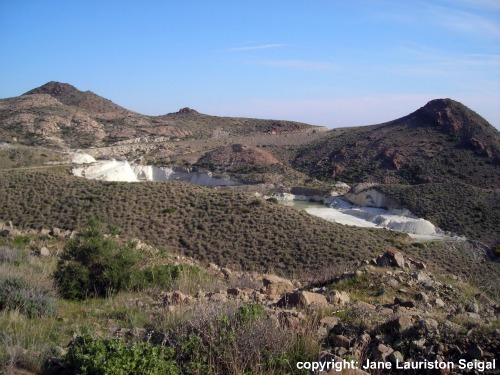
{"points": [[442, 142], [59, 115], [225, 227]]}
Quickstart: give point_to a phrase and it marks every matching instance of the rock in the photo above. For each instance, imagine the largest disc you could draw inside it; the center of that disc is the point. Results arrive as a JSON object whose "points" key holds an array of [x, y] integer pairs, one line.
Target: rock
{"points": [[452, 327], [381, 352], [364, 306], [422, 297], [289, 300], [307, 298], [44, 232], [55, 232], [428, 326], [395, 357], [44, 252], [339, 298], [401, 323], [226, 272], [418, 344], [472, 307], [218, 297], [214, 267], [340, 341], [475, 352], [329, 322], [234, 292], [404, 303], [275, 285], [363, 340], [396, 257], [422, 277], [439, 302]]}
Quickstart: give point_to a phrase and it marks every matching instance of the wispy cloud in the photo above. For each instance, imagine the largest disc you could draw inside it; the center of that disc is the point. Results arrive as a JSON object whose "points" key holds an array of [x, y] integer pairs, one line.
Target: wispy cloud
{"points": [[465, 22], [299, 64], [481, 4], [259, 46]]}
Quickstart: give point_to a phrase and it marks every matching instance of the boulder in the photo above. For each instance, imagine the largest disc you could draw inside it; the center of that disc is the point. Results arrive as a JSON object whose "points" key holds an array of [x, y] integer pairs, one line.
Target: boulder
{"points": [[44, 252], [329, 322], [226, 272], [340, 341], [401, 323], [439, 302], [404, 303], [472, 307], [339, 298], [428, 326], [422, 297], [307, 299], [395, 357], [381, 352], [275, 285]]}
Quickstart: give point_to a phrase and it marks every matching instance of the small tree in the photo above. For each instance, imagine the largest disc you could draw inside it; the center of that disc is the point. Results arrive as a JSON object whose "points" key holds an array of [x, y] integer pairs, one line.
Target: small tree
{"points": [[94, 265]]}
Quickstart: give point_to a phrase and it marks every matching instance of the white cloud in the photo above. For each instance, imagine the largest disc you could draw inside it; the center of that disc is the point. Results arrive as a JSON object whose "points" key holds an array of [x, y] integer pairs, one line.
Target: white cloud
{"points": [[299, 64], [255, 47]]}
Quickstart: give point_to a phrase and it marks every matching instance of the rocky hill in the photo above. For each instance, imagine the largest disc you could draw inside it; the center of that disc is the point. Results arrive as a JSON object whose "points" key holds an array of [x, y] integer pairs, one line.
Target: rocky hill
{"points": [[60, 115], [443, 141]]}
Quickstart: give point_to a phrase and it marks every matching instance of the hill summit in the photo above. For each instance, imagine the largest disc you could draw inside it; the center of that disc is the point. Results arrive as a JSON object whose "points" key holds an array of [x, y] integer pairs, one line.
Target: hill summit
{"points": [[444, 141], [84, 100]]}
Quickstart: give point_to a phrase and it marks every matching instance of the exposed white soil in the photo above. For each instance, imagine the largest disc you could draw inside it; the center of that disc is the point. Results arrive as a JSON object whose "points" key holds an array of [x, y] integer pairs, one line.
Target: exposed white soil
{"points": [[80, 158], [342, 212], [113, 170]]}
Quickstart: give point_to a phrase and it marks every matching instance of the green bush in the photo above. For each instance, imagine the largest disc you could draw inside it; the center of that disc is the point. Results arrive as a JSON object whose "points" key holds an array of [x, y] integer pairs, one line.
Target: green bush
{"points": [[160, 275], [93, 265], [115, 357], [30, 300]]}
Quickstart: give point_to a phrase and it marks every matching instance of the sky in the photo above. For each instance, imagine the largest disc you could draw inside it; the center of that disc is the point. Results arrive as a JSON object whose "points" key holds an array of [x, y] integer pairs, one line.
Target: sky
{"points": [[325, 62]]}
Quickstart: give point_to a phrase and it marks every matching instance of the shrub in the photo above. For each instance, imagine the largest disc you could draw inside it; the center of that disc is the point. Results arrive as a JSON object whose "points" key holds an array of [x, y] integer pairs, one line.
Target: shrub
{"points": [[19, 242], [93, 265], [104, 356], [10, 255], [160, 275], [30, 300]]}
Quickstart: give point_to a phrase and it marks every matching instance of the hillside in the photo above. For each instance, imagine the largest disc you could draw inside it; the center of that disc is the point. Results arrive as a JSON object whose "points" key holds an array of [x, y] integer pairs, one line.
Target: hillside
{"points": [[59, 115], [461, 209], [442, 142], [225, 227]]}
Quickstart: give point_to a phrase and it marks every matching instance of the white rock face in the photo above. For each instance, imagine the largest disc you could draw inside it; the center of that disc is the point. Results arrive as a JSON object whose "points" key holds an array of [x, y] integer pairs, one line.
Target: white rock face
{"points": [[112, 170], [78, 158], [343, 212], [107, 170]]}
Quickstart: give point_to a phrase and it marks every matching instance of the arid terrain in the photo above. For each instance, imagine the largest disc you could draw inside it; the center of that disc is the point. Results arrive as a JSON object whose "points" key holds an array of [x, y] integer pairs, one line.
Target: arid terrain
{"points": [[126, 237]]}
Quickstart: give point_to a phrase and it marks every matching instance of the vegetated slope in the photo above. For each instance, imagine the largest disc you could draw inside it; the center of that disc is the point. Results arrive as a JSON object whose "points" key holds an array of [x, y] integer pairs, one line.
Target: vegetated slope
{"points": [[24, 156], [462, 209], [443, 141], [58, 114], [225, 227]]}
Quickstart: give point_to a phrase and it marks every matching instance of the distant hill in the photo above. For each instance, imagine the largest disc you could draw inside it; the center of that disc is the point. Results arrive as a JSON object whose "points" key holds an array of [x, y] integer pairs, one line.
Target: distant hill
{"points": [[444, 141], [60, 115]]}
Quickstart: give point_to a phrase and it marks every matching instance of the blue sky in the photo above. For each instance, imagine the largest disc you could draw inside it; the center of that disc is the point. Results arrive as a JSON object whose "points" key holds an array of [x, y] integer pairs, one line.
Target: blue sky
{"points": [[326, 62]]}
